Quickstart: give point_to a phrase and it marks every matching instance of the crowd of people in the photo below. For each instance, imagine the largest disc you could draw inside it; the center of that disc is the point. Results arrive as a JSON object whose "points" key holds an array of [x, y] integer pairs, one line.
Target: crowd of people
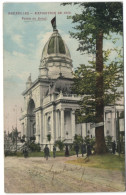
{"points": [[84, 149]]}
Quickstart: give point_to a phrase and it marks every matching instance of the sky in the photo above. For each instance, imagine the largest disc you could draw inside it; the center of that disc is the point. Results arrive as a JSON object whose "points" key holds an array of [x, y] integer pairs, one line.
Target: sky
{"points": [[23, 42]]}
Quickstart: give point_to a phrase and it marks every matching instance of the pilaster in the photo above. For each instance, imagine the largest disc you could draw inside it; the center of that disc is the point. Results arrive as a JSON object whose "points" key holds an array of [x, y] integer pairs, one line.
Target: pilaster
{"points": [[73, 123], [62, 123]]}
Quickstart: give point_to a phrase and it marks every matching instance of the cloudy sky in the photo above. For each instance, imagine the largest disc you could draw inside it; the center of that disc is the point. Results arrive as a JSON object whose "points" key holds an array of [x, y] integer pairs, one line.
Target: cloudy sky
{"points": [[24, 40]]}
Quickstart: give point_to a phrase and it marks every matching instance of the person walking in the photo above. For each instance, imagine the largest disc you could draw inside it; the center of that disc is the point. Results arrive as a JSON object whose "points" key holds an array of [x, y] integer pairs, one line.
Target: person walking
{"points": [[46, 152], [88, 150], [66, 151], [83, 149], [113, 147], [77, 149], [25, 152], [54, 151]]}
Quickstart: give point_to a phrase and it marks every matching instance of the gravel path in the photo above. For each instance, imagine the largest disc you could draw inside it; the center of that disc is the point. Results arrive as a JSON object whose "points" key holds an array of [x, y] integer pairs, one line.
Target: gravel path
{"points": [[36, 175]]}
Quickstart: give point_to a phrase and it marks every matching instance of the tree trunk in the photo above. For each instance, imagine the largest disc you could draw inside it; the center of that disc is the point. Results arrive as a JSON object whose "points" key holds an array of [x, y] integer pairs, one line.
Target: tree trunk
{"points": [[99, 131]]}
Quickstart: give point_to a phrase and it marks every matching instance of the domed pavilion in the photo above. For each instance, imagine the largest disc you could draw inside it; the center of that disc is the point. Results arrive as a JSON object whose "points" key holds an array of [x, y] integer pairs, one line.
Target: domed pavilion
{"points": [[49, 105]]}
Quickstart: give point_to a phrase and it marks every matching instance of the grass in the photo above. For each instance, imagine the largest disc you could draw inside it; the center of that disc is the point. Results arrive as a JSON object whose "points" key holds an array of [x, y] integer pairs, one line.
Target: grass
{"points": [[106, 161], [41, 154]]}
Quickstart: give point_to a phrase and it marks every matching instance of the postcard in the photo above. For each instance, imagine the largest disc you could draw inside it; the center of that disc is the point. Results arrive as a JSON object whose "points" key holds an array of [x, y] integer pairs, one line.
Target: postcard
{"points": [[63, 97]]}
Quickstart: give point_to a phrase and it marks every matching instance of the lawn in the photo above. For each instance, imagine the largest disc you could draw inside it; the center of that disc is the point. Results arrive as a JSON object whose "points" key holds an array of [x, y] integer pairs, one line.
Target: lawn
{"points": [[106, 161], [41, 154]]}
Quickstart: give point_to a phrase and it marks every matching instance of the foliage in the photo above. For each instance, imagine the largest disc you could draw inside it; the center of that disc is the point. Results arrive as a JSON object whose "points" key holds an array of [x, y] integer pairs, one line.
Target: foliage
{"points": [[59, 144], [95, 17], [85, 85], [23, 139], [90, 141], [78, 139], [34, 147], [10, 153], [49, 137], [14, 135], [33, 138]]}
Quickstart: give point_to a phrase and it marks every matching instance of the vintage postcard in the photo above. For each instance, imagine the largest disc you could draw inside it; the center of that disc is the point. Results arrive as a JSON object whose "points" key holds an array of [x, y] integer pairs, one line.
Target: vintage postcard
{"points": [[63, 97]]}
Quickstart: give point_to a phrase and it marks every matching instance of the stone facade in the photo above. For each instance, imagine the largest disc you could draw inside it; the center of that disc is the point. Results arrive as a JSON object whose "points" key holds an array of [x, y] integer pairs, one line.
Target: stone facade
{"points": [[49, 105]]}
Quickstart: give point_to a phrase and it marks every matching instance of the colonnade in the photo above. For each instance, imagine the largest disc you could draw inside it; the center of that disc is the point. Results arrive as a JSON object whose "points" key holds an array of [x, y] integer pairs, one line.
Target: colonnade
{"points": [[57, 129], [56, 122]]}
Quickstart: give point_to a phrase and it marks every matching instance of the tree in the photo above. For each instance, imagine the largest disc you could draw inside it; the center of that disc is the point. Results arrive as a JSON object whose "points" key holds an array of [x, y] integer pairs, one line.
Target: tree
{"points": [[94, 24], [78, 139], [14, 135], [85, 83], [59, 144]]}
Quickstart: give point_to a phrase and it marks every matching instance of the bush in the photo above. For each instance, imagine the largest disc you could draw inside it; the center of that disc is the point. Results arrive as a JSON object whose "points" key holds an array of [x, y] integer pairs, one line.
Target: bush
{"points": [[10, 153], [34, 147], [59, 144]]}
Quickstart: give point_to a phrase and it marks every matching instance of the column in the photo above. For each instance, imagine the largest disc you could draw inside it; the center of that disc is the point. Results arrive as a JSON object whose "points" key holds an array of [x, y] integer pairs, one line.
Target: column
{"points": [[113, 126], [57, 135], [28, 133], [25, 128], [53, 126], [45, 129], [73, 123], [36, 119], [62, 124], [23, 133], [40, 127]]}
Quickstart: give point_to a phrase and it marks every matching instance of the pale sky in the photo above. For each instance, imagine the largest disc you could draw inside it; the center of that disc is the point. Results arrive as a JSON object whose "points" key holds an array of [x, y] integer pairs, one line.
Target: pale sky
{"points": [[23, 44]]}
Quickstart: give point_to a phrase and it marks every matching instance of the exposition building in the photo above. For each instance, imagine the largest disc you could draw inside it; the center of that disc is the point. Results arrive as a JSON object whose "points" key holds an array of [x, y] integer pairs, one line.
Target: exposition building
{"points": [[49, 105]]}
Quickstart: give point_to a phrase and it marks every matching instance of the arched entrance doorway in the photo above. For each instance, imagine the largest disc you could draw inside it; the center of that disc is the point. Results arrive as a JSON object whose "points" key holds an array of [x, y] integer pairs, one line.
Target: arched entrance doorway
{"points": [[31, 120]]}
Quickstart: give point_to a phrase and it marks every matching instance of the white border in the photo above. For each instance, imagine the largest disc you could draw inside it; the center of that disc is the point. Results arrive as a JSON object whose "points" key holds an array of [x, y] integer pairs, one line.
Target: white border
{"points": [[1, 78]]}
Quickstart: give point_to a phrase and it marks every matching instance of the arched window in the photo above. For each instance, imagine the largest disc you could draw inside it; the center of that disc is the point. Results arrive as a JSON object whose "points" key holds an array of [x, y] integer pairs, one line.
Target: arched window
{"points": [[31, 107]]}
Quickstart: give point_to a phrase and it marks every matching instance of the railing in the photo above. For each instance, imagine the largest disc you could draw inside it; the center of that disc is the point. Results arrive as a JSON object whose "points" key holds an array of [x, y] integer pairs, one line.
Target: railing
{"points": [[69, 96], [54, 97]]}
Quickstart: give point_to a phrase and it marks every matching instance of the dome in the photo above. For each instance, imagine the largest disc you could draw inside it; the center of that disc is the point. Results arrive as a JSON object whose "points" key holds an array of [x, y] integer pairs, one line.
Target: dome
{"points": [[55, 58], [55, 46]]}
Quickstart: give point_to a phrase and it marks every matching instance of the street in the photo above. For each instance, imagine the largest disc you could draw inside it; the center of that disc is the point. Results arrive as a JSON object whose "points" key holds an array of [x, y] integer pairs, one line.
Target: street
{"points": [[36, 175]]}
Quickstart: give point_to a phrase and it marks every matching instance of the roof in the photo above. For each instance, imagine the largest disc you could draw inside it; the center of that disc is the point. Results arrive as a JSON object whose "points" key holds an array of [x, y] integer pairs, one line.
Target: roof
{"points": [[55, 46]]}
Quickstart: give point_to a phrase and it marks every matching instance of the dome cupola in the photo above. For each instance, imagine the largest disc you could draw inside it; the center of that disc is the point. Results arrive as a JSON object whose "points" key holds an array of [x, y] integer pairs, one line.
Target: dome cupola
{"points": [[55, 58], [55, 46]]}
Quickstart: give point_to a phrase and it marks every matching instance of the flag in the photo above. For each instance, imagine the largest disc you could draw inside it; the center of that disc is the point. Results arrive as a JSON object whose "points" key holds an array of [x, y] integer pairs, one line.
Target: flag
{"points": [[53, 22]]}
